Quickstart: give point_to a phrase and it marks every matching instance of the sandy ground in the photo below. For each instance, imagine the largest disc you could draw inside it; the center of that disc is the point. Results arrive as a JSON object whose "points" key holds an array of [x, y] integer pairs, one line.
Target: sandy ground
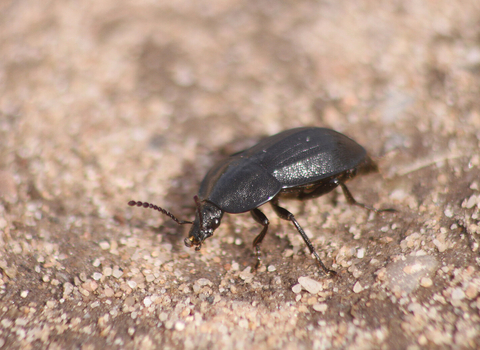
{"points": [[106, 101]]}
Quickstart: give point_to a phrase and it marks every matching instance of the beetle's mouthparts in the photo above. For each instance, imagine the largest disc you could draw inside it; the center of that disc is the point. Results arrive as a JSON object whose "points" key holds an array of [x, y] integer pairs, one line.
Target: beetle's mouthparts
{"points": [[191, 241], [188, 242]]}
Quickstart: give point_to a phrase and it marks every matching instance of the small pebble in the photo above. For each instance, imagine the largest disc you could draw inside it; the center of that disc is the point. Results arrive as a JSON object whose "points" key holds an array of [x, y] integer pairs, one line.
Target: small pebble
{"points": [[458, 294], [104, 245], [426, 282], [24, 293], [149, 278], [203, 282], [67, 288], [84, 292], [470, 202], [96, 276], [320, 307], [361, 253], [357, 288], [262, 269], [271, 268], [90, 285], [147, 301], [448, 212], [117, 273], [288, 253], [109, 292], [246, 274], [297, 288], [130, 301], [472, 291], [179, 326], [310, 285], [413, 268]]}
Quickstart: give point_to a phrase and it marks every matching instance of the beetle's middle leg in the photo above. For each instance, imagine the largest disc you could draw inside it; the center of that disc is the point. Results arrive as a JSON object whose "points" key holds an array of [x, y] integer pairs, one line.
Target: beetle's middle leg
{"points": [[286, 215], [262, 220]]}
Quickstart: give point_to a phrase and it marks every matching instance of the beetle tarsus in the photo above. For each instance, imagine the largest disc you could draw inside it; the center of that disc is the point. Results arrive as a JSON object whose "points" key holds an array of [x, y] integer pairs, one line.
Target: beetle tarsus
{"points": [[257, 264]]}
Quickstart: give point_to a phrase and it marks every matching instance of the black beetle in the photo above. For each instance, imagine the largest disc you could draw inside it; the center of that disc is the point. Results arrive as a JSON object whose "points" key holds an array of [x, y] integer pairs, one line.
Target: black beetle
{"points": [[299, 163]]}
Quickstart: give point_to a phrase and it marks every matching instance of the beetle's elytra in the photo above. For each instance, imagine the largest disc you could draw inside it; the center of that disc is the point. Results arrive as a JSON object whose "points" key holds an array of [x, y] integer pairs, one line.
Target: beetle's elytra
{"points": [[299, 163]]}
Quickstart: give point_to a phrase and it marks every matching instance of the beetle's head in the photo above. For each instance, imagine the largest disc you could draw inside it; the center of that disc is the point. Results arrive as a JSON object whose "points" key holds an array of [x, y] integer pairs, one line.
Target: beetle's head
{"points": [[207, 219]]}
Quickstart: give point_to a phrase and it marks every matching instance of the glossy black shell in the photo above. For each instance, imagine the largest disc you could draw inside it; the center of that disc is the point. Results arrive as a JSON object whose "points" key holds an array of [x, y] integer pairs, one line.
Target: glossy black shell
{"points": [[293, 158]]}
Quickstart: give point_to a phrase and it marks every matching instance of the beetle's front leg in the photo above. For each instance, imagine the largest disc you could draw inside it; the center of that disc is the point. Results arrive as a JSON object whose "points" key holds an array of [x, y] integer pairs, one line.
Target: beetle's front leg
{"points": [[262, 220], [286, 215]]}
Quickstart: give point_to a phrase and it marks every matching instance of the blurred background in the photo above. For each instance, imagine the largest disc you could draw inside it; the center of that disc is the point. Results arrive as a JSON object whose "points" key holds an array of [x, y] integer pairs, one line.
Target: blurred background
{"points": [[104, 102]]}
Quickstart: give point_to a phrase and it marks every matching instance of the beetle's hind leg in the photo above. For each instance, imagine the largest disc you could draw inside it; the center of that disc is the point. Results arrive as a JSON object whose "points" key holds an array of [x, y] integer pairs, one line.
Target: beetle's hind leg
{"points": [[352, 200], [286, 215], [259, 217]]}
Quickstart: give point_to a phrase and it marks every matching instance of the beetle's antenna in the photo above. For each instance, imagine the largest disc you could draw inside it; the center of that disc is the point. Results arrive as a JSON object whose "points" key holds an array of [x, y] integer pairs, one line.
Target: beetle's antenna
{"points": [[197, 202], [156, 207]]}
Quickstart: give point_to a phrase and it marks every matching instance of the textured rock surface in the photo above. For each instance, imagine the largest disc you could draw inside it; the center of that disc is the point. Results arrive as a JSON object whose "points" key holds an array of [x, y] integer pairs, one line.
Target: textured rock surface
{"points": [[106, 101]]}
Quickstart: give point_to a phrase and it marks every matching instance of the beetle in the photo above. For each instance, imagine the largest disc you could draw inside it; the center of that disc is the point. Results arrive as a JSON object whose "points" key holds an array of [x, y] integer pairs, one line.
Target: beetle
{"points": [[300, 163]]}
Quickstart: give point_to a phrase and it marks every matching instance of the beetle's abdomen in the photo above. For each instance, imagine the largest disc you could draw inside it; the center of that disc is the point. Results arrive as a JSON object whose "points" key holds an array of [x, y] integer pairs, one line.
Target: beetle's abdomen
{"points": [[310, 155]]}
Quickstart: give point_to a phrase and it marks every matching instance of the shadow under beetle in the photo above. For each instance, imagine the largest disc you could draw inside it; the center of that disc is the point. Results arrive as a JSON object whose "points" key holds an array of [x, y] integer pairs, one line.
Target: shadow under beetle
{"points": [[299, 163]]}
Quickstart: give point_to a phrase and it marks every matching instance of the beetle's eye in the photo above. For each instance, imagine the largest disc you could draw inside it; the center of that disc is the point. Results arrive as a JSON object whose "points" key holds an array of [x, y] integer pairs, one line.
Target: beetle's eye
{"points": [[216, 222]]}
